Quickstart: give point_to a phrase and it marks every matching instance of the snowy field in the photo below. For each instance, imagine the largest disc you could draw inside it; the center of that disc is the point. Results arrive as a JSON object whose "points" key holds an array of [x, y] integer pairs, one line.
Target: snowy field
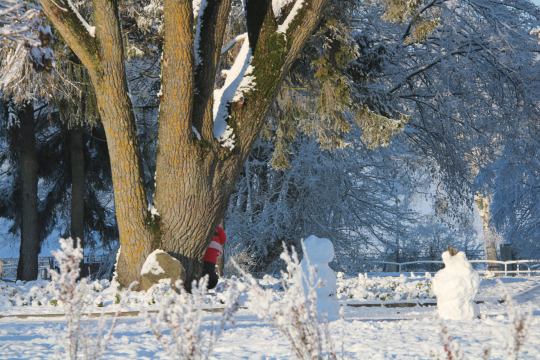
{"points": [[378, 332]]}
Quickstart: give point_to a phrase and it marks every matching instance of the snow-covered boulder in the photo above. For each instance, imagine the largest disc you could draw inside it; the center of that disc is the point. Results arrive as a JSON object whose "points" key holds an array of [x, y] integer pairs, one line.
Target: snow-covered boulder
{"points": [[161, 266], [319, 253], [455, 287]]}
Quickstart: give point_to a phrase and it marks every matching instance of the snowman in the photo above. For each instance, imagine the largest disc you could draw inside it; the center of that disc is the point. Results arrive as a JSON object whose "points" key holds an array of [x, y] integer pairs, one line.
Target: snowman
{"points": [[456, 286], [319, 253]]}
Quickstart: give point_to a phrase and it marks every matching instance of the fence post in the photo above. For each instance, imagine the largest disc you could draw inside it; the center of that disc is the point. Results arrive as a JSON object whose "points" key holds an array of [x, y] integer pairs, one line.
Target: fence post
{"points": [[505, 274], [392, 256], [506, 255], [0, 269]]}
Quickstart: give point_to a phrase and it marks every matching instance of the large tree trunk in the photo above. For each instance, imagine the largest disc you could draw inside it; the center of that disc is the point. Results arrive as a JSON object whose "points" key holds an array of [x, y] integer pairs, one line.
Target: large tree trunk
{"points": [[77, 185], [194, 179], [27, 268], [104, 58]]}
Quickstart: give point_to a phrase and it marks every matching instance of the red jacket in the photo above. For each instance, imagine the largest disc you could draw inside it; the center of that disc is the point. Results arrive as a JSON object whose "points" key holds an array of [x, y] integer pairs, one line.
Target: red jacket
{"points": [[214, 249]]}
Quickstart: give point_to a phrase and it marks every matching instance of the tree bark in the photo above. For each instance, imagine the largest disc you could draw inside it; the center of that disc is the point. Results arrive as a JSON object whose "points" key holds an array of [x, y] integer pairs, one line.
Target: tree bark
{"points": [[482, 204], [194, 179], [103, 56], [27, 268], [77, 185]]}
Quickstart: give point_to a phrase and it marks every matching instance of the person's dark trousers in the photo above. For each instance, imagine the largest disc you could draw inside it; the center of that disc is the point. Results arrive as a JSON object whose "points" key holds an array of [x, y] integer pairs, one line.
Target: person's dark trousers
{"points": [[209, 268]]}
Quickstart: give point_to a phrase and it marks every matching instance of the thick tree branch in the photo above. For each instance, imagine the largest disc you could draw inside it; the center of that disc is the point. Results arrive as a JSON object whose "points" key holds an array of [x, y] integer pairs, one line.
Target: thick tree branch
{"points": [[210, 39], [177, 74], [74, 33], [273, 55]]}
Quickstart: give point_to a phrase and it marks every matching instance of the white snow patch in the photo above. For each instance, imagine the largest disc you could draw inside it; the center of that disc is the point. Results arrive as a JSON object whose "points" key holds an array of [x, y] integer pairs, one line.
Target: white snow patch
{"points": [[282, 29], [200, 11], [114, 283], [196, 132], [278, 5], [237, 83], [151, 264], [196, 7], [319, 252], [153, 210], [455, 287]]}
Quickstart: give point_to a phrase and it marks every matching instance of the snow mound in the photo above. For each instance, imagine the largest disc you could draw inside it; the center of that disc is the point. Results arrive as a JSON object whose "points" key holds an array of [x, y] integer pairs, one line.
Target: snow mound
{"points": [[319, 252], [151, 265], [455, 287]]}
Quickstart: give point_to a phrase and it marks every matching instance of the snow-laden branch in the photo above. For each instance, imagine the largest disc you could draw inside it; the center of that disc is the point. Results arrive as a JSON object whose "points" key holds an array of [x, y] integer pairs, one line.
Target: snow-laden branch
{"points": [[237, 83], [240, 37], [282, 29], [91, 29], [278, 5]]}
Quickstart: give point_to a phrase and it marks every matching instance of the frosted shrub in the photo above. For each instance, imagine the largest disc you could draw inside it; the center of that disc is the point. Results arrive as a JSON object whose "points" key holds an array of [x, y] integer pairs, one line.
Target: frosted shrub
{"points": [[519, 326], [239, 258], [182, 314], [71, 294], [296, 315], [451, 347]]}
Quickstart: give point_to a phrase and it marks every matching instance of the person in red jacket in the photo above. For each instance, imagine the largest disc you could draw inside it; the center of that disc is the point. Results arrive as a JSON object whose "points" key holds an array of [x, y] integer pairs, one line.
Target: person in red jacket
{"points": [[214, 251]]}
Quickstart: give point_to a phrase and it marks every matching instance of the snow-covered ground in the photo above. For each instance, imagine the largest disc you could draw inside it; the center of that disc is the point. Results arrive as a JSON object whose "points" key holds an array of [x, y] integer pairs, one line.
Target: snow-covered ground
{"points": [[370, 332]]}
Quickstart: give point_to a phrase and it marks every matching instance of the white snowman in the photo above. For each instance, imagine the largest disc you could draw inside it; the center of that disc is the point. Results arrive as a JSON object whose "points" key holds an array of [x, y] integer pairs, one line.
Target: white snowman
{"points": [[320, 252], [456, 286]]}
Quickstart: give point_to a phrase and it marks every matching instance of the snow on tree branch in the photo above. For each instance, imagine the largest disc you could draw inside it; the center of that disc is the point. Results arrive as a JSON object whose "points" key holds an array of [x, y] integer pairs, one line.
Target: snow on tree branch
{"points": [[282, 29], [91, 29], [278, 5], [238, 81]]}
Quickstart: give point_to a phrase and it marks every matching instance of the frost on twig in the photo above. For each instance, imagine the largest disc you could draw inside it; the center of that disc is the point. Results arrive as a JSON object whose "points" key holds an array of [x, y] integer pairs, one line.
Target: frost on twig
{"points": [[296, 315], [519, 324], [451, 347], [72, 295], [182, 314]]}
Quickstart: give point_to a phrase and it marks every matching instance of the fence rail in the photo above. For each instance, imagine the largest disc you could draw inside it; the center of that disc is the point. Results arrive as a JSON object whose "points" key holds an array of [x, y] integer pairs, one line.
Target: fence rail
{"points": [[505, 263], [8, 266]]}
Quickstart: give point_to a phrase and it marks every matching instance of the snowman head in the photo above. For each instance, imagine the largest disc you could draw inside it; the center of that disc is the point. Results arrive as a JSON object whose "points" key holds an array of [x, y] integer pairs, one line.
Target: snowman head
{"points": [[457, 261], [319, 250]]}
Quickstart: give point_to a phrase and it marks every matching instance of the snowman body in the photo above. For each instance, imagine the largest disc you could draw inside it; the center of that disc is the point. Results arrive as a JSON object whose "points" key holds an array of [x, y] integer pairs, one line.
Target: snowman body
{"points": [[319, 253], [455, 287]]}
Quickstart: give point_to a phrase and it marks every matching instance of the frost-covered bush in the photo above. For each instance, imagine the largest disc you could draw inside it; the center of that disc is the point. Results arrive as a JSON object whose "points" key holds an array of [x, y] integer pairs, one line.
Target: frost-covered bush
{"points": [[72, 295], [402, 288], [242, 257], [182, 314], [295, 316]]}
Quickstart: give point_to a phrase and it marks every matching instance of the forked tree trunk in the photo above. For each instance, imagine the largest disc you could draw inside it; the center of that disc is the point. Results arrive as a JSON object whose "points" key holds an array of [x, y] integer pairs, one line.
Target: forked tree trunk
{"points": [[194, 178], [27, 268]]}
